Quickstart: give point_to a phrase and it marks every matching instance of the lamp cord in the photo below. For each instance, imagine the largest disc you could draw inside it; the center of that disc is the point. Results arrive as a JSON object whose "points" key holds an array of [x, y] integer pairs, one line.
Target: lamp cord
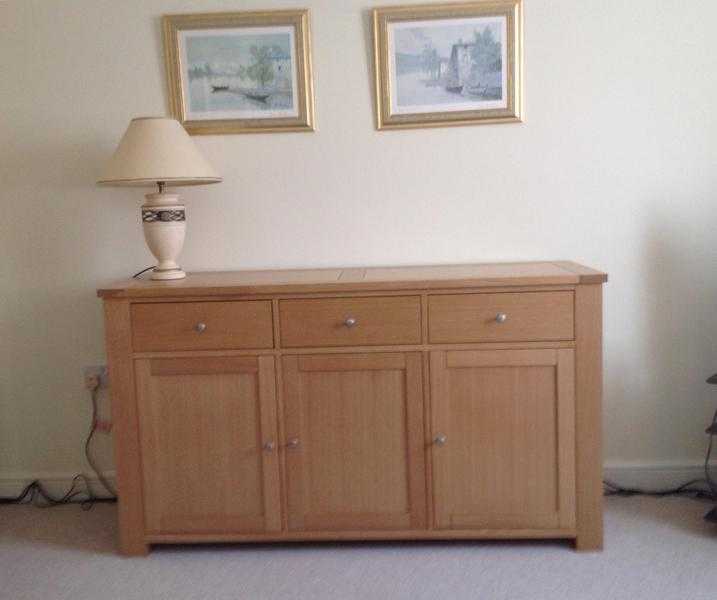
{"points": [[136, 275]]}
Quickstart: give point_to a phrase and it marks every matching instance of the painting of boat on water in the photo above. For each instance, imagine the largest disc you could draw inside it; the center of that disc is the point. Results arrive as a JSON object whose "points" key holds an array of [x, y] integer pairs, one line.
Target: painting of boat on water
{"points": [[240, 72], [448, 64]]}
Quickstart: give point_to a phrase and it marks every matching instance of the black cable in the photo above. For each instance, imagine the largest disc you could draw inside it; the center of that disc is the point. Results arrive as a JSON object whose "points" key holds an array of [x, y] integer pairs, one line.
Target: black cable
{"points": [[686, 489], [36, 494], [136, 275], [88, 455], [712, 430]]}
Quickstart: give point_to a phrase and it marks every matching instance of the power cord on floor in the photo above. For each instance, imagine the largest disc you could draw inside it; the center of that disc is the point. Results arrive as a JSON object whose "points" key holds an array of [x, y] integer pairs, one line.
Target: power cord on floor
{"points": [[686, 489], [36, 494], [701, 489]]}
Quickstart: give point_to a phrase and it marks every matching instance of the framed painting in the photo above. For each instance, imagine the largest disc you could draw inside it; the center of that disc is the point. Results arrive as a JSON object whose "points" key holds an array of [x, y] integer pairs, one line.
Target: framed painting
{"points": [[240, 72], [448, 64]]}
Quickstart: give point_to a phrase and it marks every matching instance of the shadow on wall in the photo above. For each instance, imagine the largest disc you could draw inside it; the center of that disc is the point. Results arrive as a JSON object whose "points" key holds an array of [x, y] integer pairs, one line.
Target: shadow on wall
{"points": [[76, 161], [71, 218], [680, 334]]}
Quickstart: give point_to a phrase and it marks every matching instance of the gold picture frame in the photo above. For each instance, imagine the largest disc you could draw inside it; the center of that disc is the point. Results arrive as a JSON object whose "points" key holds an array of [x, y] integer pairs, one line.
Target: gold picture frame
{"points": [[428, 75], [240, 72]]}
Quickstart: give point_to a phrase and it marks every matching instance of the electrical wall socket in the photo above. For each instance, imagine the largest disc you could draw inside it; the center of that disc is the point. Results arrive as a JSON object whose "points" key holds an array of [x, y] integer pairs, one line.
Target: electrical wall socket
{"points": [[96, 372]]}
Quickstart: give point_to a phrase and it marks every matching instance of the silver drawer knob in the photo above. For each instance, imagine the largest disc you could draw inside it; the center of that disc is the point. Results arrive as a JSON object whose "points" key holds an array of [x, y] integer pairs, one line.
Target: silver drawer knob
{"points": [[501, 318], [200, 327], [293, 443], [269, 446], [350, 322], [440, 440]]}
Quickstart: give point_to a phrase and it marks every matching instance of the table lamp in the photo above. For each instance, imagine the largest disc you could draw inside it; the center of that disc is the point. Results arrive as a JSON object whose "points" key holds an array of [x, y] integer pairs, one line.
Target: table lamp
{"points": [[158, 151]]}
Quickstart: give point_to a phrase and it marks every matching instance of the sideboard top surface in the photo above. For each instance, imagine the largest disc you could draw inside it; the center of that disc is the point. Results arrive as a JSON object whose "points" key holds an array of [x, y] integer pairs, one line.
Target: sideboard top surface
{"points": [[219, 283]]}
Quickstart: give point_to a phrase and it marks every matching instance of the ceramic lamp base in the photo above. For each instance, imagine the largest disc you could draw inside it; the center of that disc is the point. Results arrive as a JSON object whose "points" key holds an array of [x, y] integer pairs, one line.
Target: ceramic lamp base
{"points": [[158, 275], [164, 224]]}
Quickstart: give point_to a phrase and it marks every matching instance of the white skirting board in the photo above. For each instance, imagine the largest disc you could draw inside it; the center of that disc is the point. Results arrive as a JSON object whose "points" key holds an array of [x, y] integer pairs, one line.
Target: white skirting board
{"points": [[647, 476], [56, 484]]}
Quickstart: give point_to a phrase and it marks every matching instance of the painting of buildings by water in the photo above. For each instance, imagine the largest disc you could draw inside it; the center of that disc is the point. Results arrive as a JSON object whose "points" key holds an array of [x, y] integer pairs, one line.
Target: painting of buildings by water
{"points": [[243, 73], [448, 65]]}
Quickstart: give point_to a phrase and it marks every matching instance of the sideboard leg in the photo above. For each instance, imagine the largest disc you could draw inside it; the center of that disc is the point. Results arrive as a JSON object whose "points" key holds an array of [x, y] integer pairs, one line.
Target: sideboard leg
{"points": [[133, 547], [588, 417], [586, 543]]}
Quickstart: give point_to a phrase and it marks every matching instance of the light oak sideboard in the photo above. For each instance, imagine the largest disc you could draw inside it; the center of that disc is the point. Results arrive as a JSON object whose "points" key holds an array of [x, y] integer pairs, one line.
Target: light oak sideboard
{"points": [[354, 404]]}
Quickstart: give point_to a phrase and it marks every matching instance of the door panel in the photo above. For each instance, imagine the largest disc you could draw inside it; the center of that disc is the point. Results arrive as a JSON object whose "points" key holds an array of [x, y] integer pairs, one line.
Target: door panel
{"points": [[503, 428], [203, 424], [356, 461]]}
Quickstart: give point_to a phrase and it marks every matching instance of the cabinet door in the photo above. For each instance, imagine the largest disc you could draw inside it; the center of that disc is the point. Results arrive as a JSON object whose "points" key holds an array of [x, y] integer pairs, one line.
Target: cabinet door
{"points": [[208, 442], [354, 432], [504, 442]]}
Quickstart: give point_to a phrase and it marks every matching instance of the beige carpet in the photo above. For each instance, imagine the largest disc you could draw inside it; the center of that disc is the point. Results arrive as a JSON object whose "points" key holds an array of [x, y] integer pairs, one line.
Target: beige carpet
{"points": [[655, 549]]}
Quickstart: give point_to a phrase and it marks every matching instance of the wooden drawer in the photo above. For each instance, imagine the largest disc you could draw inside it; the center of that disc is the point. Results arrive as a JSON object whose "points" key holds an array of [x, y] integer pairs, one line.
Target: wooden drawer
{"points": [[529, 316], [326, 321], [178, 326]]}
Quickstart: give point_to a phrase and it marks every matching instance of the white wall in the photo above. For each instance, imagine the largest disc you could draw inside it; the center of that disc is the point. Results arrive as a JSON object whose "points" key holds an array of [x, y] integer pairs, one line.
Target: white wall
{"points": [[614, 167]]}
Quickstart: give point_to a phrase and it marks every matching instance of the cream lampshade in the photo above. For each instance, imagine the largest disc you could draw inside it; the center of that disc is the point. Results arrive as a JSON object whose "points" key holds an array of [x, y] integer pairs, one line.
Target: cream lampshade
{"points": [[158, 151]]}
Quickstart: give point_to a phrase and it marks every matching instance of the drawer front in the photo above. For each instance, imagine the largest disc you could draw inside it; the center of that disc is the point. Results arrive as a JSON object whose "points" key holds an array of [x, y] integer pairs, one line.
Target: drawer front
{"points": [[350, 321], [503, 317], [168, 326]]}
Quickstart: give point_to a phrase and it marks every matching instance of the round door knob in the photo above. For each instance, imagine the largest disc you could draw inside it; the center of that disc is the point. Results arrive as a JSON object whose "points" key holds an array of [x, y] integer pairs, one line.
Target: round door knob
{"points": [[501, 318], [293, 443], [350, 322], [200, 327], [269, 446], [440, 440]]}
